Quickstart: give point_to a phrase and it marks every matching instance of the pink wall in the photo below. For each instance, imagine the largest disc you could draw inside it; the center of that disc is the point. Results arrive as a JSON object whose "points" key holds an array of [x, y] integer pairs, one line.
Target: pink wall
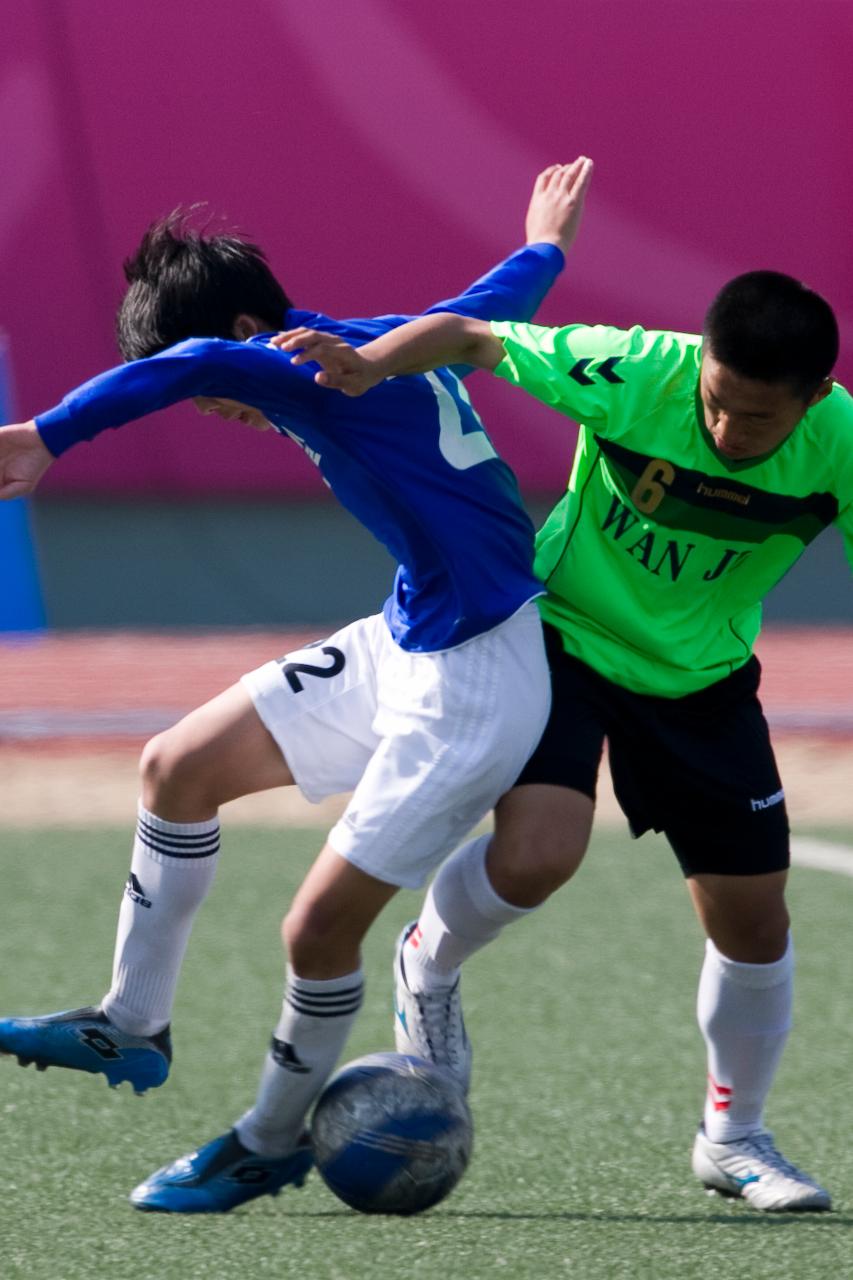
{"points": [[382, 153]]}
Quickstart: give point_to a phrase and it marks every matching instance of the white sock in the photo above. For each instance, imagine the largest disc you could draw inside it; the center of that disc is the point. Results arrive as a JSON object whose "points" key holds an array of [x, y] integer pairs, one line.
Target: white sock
{"points": [[744, 1013], [461, 914], [171, 870], [316, 1018]]}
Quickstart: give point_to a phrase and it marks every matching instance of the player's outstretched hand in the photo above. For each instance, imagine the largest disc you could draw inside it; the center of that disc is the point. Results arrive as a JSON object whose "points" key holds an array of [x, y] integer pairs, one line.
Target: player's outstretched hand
{"points": [[24, 458], [556, 206], [342, 367]]}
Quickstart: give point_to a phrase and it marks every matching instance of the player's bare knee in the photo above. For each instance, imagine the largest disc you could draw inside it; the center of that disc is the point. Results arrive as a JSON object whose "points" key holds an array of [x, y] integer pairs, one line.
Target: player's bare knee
{"points": [[751, 937], [310, 932], [768, 935], [551, 863], [541, 836], [154, 769], [172, 785], [527, 868]]}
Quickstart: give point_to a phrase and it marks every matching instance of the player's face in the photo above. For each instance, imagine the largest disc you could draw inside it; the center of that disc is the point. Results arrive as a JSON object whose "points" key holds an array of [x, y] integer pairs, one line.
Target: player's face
{"points": [[232, 411], [745, 417]]}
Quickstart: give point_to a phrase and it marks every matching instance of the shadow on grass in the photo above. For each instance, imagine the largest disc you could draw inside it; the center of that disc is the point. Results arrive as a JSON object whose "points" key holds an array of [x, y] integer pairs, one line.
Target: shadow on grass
{"points": [[738, 1218]]}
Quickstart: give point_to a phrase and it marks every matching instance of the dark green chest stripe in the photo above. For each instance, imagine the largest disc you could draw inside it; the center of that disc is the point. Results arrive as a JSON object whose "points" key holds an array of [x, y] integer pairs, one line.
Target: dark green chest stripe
{"points": [[720, 507]]}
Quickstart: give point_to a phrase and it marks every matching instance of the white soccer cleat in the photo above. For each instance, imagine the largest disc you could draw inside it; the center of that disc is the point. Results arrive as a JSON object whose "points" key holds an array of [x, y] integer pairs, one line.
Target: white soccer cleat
{"points": [[429, 1024], [752, 1169]]}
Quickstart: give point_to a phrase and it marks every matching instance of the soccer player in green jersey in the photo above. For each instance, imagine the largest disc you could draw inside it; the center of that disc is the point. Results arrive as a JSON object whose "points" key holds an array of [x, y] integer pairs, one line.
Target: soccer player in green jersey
{"points": [[704, 466]]}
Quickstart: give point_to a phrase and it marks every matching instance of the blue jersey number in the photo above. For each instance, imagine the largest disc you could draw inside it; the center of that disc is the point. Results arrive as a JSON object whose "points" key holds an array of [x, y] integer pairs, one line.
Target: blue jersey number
{"points": [[461, 449]]}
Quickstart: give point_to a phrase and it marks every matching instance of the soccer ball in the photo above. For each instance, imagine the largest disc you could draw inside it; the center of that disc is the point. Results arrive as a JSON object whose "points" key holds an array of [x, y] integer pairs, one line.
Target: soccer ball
{"points": [[391, 1134]]}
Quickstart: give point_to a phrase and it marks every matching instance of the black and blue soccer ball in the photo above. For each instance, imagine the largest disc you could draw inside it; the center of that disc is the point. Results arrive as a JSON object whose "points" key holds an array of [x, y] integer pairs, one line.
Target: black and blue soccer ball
{"points": [[392, 1134]]}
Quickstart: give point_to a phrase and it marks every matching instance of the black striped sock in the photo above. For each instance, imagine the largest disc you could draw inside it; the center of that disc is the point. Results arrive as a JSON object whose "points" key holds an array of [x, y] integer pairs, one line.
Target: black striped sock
{"points": [[316, 1018], [171, 871]]}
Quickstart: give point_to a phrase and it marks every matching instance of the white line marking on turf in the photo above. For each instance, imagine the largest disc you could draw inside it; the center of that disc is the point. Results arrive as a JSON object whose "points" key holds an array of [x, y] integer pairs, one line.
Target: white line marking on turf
{"points": [[822, 855]]}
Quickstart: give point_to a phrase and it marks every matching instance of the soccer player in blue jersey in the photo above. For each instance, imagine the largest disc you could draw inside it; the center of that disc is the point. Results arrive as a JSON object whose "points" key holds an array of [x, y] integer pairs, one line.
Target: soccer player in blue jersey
{"points": [[427, 711]]}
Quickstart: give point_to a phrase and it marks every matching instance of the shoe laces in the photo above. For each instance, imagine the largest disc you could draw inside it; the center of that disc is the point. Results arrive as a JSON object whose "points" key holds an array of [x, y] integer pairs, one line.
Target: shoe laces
{"points": [[763, 1146], [441, 1019]]}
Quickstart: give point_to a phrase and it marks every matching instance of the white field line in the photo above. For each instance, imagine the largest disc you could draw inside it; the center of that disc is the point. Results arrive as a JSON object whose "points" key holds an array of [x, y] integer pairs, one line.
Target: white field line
{"points": [[822, 855]]}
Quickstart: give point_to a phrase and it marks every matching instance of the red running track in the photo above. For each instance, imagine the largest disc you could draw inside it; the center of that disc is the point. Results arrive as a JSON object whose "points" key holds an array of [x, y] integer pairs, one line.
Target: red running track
{"points": [[130, 684]]}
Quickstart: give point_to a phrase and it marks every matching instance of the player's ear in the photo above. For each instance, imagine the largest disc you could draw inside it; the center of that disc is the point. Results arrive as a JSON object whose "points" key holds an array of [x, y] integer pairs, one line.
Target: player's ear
{"points": [[246, 326], [822, 392]]}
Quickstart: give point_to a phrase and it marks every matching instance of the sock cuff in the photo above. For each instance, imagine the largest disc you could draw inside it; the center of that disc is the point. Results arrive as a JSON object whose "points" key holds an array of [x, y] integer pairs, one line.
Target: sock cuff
{"points": [[176, 843], [475, 877], [176, 828], [755, 976], [316, 986], [324, 997], [147, 991]]}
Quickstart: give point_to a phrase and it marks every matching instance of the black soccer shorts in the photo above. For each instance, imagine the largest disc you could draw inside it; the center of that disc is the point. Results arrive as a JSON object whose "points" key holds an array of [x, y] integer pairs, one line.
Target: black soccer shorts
{"points": [[700, 768]]}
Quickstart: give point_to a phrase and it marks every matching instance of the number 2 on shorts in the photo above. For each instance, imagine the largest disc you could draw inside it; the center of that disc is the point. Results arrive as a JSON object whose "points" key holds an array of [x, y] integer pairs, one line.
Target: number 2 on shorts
{"points": [[290, 669]]}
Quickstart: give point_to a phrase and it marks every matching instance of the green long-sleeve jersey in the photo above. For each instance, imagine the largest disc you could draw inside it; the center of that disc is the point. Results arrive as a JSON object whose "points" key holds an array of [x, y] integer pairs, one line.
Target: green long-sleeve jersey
{"points": [[658, 556]]}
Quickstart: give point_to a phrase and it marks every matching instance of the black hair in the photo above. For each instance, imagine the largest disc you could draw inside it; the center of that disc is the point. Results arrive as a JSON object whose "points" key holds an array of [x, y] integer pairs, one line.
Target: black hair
{"points": [[185, 283], [767, 326]]}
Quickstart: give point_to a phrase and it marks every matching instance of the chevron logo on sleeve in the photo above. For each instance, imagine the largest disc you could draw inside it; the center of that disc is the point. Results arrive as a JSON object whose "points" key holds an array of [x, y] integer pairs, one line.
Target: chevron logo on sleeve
{"points": [[605, 370]]}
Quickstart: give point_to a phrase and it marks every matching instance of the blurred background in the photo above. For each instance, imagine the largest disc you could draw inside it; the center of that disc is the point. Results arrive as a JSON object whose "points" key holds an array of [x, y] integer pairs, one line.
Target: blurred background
{"points": [[382, 153]]}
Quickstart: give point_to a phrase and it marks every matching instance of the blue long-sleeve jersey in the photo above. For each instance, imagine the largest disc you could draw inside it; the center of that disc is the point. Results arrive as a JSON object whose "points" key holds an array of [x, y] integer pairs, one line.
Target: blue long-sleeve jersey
{"points": [[411, 459]]}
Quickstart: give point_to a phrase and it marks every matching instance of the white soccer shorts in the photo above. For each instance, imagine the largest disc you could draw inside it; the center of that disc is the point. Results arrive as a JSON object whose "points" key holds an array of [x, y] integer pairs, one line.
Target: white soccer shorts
{"points": [[427, 742]]}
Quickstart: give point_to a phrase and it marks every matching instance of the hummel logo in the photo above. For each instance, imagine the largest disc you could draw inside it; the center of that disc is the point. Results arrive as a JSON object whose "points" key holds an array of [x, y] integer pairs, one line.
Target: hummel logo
{"points": [[286, 1056], [605, 370], [135, 891], [768, 801]]}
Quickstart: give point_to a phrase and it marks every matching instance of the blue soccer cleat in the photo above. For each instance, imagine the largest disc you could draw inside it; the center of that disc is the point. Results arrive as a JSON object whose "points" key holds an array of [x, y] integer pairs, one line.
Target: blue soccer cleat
{"points": [[220, 1176], [86, 1040]]}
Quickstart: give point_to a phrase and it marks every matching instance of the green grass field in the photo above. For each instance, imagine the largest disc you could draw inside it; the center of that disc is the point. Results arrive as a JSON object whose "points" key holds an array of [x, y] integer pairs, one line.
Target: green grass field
{"points": [[588, 1083]]}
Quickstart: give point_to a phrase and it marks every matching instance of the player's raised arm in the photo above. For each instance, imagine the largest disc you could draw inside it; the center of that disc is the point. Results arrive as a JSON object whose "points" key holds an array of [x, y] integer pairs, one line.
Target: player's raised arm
{"points": [[23, 459], [515, 288], [446, 337]]}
